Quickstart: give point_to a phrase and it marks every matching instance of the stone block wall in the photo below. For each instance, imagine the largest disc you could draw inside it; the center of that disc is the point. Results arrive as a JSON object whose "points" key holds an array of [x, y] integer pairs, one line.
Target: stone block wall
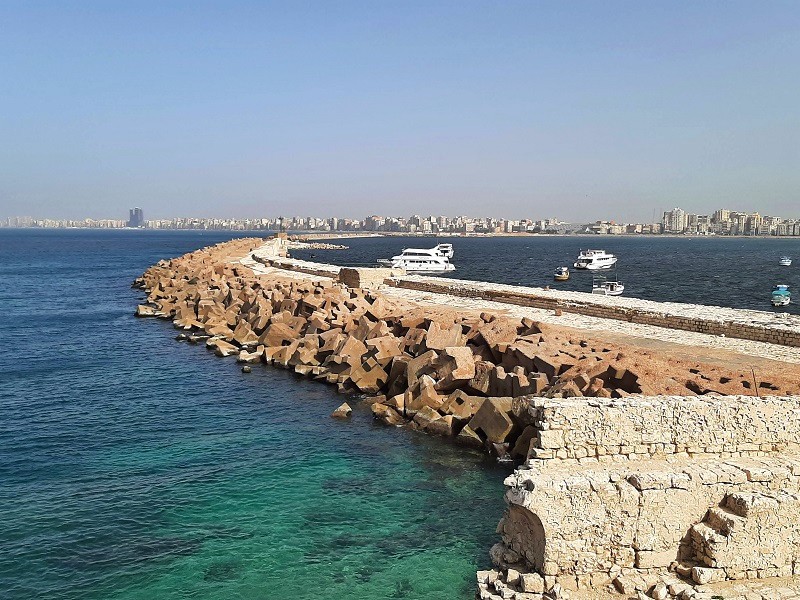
{"points": [[634, 487], [583, 527], [635, 427]]}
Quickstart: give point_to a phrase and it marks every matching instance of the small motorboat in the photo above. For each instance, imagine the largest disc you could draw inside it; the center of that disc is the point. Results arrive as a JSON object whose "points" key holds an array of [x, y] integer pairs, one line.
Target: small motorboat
{"points": [[609, 288], [781, 296], [561, 274], [785, 261], [606, 287]]}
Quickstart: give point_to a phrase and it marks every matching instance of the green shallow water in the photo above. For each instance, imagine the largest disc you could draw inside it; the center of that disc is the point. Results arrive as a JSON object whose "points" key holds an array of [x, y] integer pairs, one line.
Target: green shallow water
{"points": [[134, 466]]}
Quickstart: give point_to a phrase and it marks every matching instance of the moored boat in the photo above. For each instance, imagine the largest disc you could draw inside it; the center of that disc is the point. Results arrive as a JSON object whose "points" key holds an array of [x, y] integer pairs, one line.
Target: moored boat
{"points": [[781, 296], [594, 260], [561, 274], [421, 260], [785, 261], [606, 287]]}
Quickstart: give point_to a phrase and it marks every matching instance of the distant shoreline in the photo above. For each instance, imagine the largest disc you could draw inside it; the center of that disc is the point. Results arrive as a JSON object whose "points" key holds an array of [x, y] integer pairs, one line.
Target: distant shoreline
{"points": [[313, 235]]}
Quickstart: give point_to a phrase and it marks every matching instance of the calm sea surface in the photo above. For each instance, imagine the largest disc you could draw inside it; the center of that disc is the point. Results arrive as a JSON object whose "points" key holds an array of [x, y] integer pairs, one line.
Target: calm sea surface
{"points": [[136, 467], [735, 272]]}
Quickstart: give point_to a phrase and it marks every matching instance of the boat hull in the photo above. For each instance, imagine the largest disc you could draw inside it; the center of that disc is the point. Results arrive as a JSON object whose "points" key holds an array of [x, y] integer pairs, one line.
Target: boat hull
{"points": [[594, 267], [410, 269]]}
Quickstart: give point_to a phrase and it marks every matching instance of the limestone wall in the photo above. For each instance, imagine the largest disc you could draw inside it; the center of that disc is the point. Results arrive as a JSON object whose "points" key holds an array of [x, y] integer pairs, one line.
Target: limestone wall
{"points": [[584, 527], [635, 427], [627, 489]]}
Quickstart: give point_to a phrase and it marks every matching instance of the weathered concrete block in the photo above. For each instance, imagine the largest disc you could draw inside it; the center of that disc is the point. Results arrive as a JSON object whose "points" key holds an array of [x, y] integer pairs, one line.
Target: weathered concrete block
{"points": [[423, 364], [387, 414], [461, 405], [493, 421], [278, 334], [456, 368]]}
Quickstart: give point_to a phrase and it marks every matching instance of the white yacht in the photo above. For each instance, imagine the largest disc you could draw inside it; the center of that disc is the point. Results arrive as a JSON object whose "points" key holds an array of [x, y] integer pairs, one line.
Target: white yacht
{"points": [[785, 261], [594, 260], [421, 260]]}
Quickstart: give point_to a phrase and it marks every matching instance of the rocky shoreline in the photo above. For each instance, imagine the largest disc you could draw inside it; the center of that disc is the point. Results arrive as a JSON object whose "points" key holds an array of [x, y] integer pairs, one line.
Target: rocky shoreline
{"points": [[474, 376]]}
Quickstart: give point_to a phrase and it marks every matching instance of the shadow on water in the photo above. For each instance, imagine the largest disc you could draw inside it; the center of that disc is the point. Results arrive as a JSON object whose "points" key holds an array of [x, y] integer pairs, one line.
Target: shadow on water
{"points": [[222, 571]]}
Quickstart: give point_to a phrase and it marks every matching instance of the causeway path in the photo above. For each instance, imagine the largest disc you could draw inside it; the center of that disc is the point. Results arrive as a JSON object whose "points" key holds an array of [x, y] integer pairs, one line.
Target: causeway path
{"points": [[710, 348]]}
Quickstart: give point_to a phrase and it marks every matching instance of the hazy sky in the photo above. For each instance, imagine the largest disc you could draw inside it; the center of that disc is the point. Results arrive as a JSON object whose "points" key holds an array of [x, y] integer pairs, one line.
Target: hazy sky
{"points": [[579, 110]]}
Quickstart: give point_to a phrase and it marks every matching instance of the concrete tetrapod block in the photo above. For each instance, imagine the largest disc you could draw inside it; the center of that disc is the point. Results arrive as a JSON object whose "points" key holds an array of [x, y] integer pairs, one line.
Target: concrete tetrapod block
{"points": [[423, 364], [500, 383], [243, 335], [223, 348], [277, 334], [384, 348], [352, 351], [456, 368], [498, 332], [467, 437], [547, 365], [461, 405], [220, 330], [479, 383], [424, 395], [386, 414], [306, 353], [439, 338], [414, 341], [343, 411], [369, 377], [493, 421], [397, 383]]}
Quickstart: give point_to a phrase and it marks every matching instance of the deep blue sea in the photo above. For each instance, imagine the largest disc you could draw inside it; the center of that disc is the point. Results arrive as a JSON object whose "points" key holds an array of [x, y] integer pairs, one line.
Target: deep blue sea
{"points": [[734, 272], [133, 466]]}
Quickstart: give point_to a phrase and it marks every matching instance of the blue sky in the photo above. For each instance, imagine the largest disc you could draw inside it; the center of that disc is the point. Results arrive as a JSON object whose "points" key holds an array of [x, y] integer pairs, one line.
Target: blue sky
{"points": [[579, 110]]}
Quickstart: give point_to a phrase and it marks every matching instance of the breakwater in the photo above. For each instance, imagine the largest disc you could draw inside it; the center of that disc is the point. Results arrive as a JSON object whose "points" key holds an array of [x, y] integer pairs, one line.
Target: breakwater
{"points": [[472, 375]]}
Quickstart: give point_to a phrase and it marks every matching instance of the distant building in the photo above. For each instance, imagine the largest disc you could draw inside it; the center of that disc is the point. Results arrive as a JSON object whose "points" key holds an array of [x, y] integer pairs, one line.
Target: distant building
{"points": [[136, 217], [675, 221]]}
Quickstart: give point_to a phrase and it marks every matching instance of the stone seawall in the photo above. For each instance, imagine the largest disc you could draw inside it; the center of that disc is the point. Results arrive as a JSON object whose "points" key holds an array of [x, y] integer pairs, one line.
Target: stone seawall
{"points": [[637, 467], [774, 328]]}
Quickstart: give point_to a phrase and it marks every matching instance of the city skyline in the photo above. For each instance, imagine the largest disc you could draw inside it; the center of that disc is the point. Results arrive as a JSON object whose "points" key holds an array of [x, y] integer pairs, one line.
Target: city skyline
{"points": [[251, 107], [722, 221]]}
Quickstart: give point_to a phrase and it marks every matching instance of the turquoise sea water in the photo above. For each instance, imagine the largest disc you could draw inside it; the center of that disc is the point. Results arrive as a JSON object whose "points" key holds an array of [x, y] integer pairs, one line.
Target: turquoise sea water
{"points": [[134, 466]]}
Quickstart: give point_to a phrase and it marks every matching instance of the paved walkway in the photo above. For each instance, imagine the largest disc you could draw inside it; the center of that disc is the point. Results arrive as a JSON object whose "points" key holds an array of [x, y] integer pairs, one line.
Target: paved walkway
{"points": [[648, 336]]}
